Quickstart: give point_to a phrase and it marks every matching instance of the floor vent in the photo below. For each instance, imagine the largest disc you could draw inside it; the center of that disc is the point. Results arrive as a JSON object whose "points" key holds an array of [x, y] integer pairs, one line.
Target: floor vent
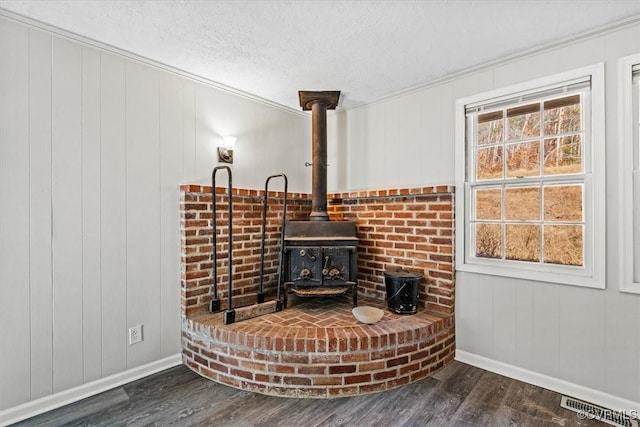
{"points": [[592, 412]]}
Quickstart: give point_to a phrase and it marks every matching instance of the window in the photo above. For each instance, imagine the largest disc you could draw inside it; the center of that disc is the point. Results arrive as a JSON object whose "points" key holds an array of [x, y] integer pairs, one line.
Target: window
{"points": [[532, 176], [630, 162]]}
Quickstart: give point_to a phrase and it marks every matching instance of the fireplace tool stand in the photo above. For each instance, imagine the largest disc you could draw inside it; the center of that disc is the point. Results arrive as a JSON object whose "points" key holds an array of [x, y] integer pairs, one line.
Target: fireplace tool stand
{"points": [[261, 307], [279, 302]]}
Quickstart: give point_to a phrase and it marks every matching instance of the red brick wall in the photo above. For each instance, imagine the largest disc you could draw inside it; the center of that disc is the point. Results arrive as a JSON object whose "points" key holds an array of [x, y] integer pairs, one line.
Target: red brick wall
{"points": [[409, 228], [196, 241]]}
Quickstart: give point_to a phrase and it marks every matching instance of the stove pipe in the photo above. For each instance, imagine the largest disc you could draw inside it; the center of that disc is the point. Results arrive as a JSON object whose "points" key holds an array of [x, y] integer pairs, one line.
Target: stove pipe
{"points": [[319, 103]]}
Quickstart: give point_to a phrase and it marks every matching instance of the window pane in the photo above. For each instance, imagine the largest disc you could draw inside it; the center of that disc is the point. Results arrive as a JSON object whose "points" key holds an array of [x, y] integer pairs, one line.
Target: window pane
{"points": [[523, 122], [523, 242], [490, 128], [523, 159], [488, 240], [563, 155], [488, 203], [522, 203], [563, 244], [489, 163], [562, 115], [563, 203]]}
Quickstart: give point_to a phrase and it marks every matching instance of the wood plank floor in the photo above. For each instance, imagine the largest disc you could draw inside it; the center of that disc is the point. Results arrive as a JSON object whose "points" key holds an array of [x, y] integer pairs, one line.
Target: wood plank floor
{"points": [[459, 395]]}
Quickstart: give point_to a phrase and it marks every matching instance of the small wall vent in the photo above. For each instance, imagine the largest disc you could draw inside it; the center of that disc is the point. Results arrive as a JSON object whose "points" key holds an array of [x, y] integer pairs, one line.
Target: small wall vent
{"points": [[593, 412]]}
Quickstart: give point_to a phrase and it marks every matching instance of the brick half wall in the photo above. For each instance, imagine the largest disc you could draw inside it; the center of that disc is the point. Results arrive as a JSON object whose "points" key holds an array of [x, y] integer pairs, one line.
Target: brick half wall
{"points": [[407, 228]]}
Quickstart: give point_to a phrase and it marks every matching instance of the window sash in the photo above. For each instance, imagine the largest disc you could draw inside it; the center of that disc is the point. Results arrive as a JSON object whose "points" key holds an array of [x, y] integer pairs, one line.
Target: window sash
{"points": [[629, 204], [635, 173], [552, 97], [592, 275], [550, 91]]}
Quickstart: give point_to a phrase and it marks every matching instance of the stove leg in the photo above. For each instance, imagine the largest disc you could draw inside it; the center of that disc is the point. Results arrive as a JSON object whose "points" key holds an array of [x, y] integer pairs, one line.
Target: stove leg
{"points": [[354, 290], [285, 293]]}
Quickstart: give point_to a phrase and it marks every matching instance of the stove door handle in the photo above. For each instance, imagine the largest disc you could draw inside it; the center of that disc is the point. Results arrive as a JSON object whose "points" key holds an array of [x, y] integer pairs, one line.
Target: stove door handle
{"points": [[325, 268], [304, 253]]}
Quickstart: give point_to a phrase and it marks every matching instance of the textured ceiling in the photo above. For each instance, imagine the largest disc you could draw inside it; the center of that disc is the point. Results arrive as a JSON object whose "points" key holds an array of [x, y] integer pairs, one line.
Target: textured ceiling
{"points": [[368, 50]]}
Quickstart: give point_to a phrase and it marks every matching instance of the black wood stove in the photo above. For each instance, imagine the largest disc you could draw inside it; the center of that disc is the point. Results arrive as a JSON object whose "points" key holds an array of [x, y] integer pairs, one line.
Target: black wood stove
{"points": [[320, 255]]}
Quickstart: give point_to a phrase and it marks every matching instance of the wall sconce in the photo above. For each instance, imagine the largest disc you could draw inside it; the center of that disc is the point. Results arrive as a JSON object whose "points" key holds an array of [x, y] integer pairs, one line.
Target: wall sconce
{"points": [[225, 152]]}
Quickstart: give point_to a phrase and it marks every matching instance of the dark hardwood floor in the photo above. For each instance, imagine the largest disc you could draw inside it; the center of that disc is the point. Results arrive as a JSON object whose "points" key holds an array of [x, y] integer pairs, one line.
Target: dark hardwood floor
{"points": [[459, 395]]}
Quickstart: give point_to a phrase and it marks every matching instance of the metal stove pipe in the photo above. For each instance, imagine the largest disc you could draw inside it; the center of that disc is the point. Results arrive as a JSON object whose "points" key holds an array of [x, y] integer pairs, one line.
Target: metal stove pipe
{"points": [[319, 103]]}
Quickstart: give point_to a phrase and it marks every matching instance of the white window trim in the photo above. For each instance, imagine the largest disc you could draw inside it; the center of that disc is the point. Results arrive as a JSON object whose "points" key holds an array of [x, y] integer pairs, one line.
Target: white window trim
{"points": [[628, 177], [593, 275]]}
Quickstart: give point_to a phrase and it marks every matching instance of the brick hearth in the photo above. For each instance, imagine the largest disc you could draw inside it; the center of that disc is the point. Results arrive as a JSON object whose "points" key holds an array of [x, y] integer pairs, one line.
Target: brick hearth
{"points": [[315, 347]]}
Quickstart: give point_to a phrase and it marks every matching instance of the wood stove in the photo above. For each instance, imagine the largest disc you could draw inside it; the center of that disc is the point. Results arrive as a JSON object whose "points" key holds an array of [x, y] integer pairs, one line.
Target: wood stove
{"points": [[320, 255]]}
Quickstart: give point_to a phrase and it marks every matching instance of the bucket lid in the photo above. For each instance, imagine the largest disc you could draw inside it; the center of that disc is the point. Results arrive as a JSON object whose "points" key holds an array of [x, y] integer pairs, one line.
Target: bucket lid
{"points": [[402, 274]]}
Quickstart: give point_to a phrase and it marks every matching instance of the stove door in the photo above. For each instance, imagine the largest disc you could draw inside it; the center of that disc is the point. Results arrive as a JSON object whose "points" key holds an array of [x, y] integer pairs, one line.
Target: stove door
{"points": [[336, 265], [304, 266]]}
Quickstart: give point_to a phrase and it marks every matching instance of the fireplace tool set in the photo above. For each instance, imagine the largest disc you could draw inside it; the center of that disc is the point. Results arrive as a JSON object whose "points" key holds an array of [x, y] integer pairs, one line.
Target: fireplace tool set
{"points": [[261, 307]]}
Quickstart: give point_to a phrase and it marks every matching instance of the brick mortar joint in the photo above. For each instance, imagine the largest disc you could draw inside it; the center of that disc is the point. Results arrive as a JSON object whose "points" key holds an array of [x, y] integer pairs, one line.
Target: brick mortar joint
{"points": [[393, 198]]}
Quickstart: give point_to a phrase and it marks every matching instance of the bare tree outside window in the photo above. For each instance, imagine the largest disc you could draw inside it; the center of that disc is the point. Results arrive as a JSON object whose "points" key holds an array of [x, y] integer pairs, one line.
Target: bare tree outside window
{"points": [[528, 193]]}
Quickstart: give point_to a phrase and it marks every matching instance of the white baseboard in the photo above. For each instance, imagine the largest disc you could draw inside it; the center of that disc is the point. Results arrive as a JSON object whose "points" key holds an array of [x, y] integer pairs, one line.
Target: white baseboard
{"points": [[560, 386], [47, 403]]}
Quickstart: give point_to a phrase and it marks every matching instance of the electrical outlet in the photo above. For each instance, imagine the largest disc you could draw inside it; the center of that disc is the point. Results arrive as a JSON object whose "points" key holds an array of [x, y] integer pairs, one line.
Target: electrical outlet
{"points": [[135, 334]]}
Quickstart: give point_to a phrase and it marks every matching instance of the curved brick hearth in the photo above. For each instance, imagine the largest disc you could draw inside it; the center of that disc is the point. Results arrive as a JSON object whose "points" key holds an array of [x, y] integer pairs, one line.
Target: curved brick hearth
{"points": [[317, 349]]}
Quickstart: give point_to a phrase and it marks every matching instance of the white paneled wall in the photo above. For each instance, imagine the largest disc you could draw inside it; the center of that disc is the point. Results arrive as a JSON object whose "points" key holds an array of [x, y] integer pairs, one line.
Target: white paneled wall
{"points": [[93, 148], [586, 337], [15, 269]]}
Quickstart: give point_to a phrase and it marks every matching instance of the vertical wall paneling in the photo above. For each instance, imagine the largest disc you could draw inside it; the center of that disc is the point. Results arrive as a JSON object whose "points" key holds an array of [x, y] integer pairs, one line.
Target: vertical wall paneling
{"points": [[378, 170], [252, 147], [40, 213], [66, 127], [206, 139], [299, 152], [337, 151], [524, 324], [485, 315], [188, 132], [620, 359], [367, 149], [143, 211], [393, 145], [249, 144], [582, 322], [15, 352], [546, 329], [91, 232], [446, 103], [357, 133], [466, 302], [270, 136], [430, 139], [504, 328], [113, 214], [171, 147]]}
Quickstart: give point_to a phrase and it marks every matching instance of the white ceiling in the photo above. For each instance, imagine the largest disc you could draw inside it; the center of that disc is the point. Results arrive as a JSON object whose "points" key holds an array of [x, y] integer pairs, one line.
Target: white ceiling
{"points": [[367, 49]]}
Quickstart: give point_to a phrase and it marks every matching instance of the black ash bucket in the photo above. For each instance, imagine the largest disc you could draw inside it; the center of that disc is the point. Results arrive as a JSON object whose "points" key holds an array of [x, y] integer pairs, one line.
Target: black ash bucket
{"points": [[402, 291]]}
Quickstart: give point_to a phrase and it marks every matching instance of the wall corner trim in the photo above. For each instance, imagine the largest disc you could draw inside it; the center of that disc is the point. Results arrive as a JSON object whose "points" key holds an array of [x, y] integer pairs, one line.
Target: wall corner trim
{"points": [[47, 403], [560, 386]]}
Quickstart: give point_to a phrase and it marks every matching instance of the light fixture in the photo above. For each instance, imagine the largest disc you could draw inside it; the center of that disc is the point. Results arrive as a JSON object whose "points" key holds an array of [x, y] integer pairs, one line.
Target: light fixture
{"points": [[225, 152]]}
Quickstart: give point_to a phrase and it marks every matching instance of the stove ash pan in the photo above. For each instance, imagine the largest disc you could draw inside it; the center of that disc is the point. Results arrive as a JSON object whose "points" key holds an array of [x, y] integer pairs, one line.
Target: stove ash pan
{"points": [[320, 257]]}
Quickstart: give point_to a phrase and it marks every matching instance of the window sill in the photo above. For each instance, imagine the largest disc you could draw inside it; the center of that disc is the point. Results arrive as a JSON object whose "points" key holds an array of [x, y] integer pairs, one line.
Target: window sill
{"points": [[536, 274], [630, 288]]}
